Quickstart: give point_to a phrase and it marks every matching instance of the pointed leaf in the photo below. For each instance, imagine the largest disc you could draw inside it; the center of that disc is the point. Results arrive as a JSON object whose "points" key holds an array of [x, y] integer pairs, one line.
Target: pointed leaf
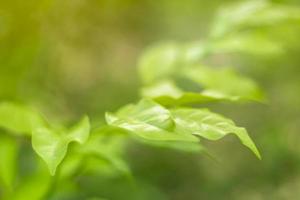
{"points": [[80, 132], [51, 145], [210, 125], [148, 120]]}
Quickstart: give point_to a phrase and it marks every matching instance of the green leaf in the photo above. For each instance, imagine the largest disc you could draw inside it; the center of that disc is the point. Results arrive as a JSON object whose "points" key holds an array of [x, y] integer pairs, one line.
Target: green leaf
{"points": [[163, 89], [148, 120], [19, 119], [158, 62], [250, 42], [193, 52], [51, 144], [231, 16], [166, 60], [254, 13], [108, 143], [220, 84], [70, 166], [8, 160], [33, 187], [80, 132], [210, 125], [224, 83], [189, 147], [168, 94], [159, 126]]}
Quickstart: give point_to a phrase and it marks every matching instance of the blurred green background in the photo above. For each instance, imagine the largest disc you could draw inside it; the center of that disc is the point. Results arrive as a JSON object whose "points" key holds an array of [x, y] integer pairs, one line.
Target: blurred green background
{"points": [[69, 58]]}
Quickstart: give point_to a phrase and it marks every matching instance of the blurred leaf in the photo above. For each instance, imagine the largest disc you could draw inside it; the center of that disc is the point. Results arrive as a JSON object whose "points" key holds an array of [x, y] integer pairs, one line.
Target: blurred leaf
{"points": [[8, 160], [194, 51], [219, 84], [168, 94], [253, 43], [19, 119], [210, 125], [167, 59], [80, 132], [70, 166], [275, 15], [231, 16], [162, 89], [158, 62], [252, 13], [108, 143], [149, 121], [33, 187], [225, 83], [189, 147], [51, 145]]}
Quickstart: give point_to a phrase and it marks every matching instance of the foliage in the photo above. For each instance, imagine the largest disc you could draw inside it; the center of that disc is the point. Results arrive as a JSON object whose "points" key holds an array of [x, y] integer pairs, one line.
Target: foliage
{"points": [[177, 79]]}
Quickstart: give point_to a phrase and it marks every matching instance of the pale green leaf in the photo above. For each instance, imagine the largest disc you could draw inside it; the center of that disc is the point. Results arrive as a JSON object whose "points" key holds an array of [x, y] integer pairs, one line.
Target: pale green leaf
{"points": [[275, 15], [193, 52], [162, 89], [252, 13], [224, 83], [148, 120], [52, 144], [167, 94], [251, 42], [70, 166], [158, 62], [80, 132], [19, 119], [231, 16], [210, 125]]}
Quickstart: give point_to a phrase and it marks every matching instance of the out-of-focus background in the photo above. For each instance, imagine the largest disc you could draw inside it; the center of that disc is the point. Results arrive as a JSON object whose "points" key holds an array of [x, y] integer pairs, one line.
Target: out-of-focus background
{"points": [[69, 58]]}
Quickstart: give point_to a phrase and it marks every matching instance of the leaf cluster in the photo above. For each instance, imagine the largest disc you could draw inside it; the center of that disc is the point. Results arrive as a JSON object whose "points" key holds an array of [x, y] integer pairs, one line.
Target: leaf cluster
{"points": [[177, 80]]}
